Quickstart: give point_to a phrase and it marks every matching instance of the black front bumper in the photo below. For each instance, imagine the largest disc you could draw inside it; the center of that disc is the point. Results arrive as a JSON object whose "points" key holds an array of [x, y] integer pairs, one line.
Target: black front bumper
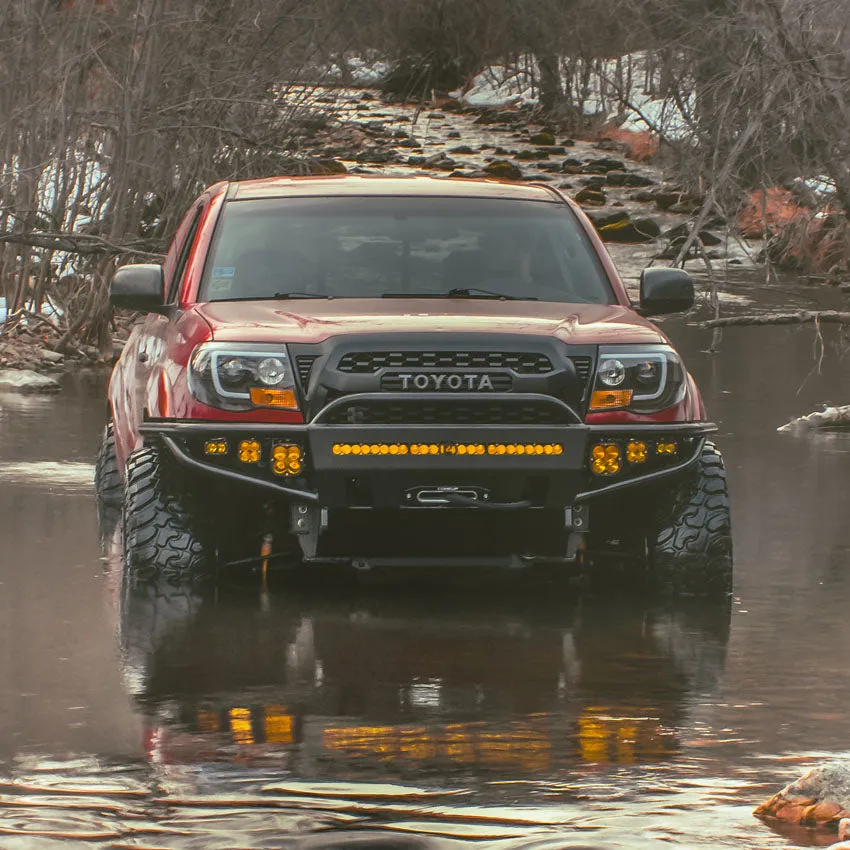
{"points": [[386, 481]]}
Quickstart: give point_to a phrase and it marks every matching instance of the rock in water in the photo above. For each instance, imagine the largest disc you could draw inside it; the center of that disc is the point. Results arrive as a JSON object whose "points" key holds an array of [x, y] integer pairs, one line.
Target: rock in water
{"points": [[504, 170], [631, 232], [25, 381], [820, 797]]}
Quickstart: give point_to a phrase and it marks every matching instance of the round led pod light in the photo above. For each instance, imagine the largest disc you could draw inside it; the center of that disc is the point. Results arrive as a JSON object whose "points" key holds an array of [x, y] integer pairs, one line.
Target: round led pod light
{"points": [[612, 373], [271, 371]]}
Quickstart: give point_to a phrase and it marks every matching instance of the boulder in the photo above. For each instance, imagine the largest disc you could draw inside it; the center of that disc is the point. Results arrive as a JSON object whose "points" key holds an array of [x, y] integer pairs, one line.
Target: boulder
{"points": [[591, 197], [607, 164], [466, 150], [631, 232], [612, 218], [504, 170], [51, 356], [543, 138], [628, 178], [597, 181], [440, 161], [377, 156], [327, 166], [666, 198], [527, 155], [25, 381], [820, 797]]}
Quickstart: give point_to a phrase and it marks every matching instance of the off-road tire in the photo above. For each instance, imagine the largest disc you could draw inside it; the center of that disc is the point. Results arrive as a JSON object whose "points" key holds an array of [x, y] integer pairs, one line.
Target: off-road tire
{"points": [[163, 538], [107, 476], [690, 547]]}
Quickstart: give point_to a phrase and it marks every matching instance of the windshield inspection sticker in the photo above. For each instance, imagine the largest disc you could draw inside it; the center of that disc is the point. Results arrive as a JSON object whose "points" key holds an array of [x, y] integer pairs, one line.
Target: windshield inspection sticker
{"points": [[223, 272]]}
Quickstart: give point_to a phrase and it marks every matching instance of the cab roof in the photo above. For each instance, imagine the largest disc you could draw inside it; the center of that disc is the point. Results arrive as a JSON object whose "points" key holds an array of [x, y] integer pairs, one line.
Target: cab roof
{"points": [[398, 186]]}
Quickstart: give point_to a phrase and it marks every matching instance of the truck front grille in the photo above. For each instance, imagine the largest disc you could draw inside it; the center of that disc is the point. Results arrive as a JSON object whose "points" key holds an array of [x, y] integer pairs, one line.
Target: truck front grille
{"points": [[369, 362], [448, 412]]}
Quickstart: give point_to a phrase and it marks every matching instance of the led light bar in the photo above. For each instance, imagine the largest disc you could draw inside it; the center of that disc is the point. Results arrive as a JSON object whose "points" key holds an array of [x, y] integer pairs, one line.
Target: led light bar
{"points": [[448, 449]]}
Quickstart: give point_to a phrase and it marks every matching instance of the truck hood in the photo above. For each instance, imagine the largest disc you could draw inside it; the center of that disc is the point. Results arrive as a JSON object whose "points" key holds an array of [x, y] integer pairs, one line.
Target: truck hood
{"points": [[313, 321]]}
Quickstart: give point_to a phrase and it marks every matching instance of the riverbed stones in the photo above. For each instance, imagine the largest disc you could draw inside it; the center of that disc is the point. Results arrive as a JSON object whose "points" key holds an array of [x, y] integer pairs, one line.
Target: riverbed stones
{"points": [[820, 797], [504, 170], [591, 196], [631, 232], [544, 138], [628, 179], [27, 381]]}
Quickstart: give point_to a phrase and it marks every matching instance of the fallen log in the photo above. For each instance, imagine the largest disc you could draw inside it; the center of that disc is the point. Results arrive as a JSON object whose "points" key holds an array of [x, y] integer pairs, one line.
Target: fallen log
{"points": [[830, 417], [799, 318]]}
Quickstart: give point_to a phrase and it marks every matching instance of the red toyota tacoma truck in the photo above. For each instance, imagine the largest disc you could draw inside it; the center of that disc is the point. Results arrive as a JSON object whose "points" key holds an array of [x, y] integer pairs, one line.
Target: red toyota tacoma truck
{"points": [[391, 371]]}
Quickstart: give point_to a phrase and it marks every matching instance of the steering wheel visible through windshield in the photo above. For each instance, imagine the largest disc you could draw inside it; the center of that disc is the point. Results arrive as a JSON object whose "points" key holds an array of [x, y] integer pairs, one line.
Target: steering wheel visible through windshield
{"points": [[406, 247]]}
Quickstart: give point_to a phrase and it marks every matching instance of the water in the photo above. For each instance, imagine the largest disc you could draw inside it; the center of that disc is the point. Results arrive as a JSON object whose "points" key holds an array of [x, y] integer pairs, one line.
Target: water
{"points": [[432, 715]]}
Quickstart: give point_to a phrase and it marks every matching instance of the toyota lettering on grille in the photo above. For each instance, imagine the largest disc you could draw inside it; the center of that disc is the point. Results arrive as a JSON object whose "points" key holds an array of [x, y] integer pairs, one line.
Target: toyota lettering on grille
{"points": [[446, 382]]}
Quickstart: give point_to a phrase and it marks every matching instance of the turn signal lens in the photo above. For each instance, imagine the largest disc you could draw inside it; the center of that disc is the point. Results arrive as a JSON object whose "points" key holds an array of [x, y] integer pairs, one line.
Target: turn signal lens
{"points": [[667, 448], [285, 399], [636, 452], [609, 399], [249, 451], [215, 447], [287, 459], [605, 459]]}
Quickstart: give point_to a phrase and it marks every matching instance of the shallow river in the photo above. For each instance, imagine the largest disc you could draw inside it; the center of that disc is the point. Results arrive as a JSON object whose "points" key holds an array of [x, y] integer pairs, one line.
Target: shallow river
{"points": [[431, 715]]}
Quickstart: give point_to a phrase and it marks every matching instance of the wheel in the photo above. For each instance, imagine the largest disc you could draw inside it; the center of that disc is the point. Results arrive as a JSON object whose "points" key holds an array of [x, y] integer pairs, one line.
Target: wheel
{"points": [[107, 477], [690, 546], [163, 538]]}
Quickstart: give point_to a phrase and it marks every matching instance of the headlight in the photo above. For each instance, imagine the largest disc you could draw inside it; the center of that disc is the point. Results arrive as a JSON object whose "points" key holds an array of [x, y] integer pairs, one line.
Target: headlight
{"points": [[640, 378], [242, 377]]}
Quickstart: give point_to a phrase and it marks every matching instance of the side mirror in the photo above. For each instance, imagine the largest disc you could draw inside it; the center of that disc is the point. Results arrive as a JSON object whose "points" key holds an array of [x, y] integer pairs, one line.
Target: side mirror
{"points": [[138, 287], [665, 290]]}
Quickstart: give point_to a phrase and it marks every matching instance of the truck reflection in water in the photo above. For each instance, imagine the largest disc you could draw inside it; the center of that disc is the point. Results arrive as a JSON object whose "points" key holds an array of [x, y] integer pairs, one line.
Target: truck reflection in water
{"points": [[387, 686]]}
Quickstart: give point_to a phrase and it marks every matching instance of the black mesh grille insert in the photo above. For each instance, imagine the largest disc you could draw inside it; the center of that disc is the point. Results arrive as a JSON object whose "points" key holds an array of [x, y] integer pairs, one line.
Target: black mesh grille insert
{"points": [[449, 412], [582, 367], [304, 365], [366, 362]]}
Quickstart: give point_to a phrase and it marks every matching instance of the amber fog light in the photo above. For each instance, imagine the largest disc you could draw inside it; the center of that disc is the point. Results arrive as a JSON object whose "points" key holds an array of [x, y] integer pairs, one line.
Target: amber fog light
{"points": [[215, 447], [636, 451], [605, 459], [667, 447], [287, 459], [249, 451]]}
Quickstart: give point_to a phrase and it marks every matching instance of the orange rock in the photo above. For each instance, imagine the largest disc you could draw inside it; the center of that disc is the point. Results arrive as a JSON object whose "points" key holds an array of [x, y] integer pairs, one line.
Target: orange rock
{"points": [[821, 797]]}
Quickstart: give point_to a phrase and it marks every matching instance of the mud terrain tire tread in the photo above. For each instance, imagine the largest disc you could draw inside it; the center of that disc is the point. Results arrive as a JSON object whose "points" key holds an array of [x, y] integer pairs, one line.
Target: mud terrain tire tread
{"points": [[691, 553], [161, 534], [107, 476]]}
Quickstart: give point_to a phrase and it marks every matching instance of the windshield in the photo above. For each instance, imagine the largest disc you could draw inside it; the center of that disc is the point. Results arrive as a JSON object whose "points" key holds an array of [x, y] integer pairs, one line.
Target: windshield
{"points": [[402, 247]]}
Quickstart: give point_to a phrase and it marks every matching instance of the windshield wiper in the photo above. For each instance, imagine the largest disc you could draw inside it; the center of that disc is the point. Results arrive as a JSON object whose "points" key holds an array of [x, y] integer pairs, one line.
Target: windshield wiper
{"points": [[470, 292], [277, 296], [477, 292]]}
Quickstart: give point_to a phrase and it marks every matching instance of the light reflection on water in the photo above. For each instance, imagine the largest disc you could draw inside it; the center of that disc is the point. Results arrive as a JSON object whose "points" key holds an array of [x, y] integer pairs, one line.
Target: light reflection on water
{"points": [[554, 718]]}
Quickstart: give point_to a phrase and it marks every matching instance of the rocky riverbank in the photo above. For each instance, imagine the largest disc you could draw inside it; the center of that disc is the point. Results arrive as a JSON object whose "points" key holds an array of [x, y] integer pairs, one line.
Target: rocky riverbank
{"points": [[643, 217]]}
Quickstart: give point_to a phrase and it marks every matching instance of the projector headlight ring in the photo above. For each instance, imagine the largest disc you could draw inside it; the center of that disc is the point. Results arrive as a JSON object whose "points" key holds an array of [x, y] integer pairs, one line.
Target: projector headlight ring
{"points": [[639, 378], [234, 376]]}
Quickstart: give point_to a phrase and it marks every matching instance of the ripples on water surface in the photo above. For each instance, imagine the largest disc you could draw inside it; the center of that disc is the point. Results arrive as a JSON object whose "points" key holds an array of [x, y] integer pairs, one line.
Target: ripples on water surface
{"points": [[432, 715]]}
